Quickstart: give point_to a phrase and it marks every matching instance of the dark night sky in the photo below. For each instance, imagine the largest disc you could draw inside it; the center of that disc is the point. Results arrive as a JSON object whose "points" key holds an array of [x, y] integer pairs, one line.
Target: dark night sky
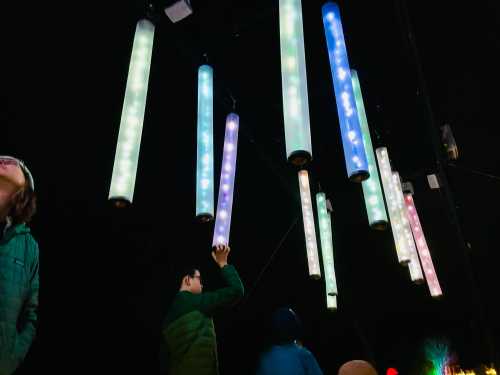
{"points": [[105, 273]]}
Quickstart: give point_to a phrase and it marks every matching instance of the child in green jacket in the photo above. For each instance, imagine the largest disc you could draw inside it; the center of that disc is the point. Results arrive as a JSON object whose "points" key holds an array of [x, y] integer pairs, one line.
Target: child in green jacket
{"points": [[188, 328], [18, 264]]}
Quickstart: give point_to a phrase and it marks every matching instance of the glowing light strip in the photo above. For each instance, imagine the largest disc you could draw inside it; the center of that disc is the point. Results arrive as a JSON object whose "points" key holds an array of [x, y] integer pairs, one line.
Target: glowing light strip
{"points": [[325, 232], [134, 103], [331, 302], [372, 191], [294, 82], [205, 150], [423, 249], [226, 186], [354, 151], [310, 232], [414, 265], [392, 204]]}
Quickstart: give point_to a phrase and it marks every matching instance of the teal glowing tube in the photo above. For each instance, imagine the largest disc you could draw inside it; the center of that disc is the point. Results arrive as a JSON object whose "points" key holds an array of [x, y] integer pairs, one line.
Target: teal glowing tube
{"points": [[205, 151], [325, 233], [372, 191]]}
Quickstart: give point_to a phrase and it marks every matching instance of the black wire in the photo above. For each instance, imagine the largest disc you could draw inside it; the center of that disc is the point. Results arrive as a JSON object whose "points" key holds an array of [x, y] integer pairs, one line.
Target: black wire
{"points": [[268, 263], [474, 171]]}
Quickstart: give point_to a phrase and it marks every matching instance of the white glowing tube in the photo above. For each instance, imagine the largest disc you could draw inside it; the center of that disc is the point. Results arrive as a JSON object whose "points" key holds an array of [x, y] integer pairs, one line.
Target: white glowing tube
{"points": [[325, 234], [226, 186], [423, 249], [294, 83], [205, 150], [392, 205], [331, 302], [414, 265], [372, 191], [310, 232], [134, 103]]}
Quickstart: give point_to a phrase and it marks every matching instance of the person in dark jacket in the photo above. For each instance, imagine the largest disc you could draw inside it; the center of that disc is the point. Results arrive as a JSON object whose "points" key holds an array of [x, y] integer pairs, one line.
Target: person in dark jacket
{"points": [[18, 264], [188, 329], [287, 356]]}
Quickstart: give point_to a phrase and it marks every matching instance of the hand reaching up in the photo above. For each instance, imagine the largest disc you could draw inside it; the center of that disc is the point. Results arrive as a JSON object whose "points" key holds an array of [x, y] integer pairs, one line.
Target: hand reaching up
{"points": [[220, 254]]}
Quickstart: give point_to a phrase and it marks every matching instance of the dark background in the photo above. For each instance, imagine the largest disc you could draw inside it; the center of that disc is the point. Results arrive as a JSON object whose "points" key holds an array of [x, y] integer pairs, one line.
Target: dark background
{"points": [[106, 273]]}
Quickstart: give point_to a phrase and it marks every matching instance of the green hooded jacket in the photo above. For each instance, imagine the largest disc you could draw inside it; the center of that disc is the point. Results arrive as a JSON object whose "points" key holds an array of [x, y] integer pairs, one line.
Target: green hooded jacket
{"points": [[188, 328], [19, 284]]}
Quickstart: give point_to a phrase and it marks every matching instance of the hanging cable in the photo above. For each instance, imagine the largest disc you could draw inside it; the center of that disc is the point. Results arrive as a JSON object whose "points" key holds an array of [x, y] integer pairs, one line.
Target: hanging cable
{"points": [[268, 263]]}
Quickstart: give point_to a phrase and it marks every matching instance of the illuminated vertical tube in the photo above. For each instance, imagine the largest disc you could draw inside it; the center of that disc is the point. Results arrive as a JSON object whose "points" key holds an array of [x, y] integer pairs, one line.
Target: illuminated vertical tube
{"points": [[407, 238], [392, 205], [310, 232], [331, 303], [372, 191], [354, 151], [205, 150], [325, 234], [129, 137], [294, 83], [226, 186], [423, 249]]}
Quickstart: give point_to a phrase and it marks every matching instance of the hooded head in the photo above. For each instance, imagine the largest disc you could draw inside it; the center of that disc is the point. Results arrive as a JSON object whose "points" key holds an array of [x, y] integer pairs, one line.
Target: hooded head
{"points": [[285, 325]]}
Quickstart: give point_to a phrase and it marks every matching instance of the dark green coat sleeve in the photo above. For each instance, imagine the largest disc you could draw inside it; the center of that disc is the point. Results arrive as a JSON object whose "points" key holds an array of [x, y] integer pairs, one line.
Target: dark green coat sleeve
{"points": [[210, 302], [29, 315]]}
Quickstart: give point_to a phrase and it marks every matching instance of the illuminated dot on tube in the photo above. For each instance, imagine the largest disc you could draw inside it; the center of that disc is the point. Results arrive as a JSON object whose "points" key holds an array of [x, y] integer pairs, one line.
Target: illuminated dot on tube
{"points": [[127, 146], [204, 137], [221, 239], [223, 214], [132, 120], [351, 134], [205, 159], [225, 187], [231, 125], [230, 147], [341, 73], [373, 200], [330, 17], [205, 183]]}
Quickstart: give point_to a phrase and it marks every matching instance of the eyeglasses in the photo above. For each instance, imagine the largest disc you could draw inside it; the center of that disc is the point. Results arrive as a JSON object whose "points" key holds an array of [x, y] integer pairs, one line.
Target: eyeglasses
{"points": [[197, 277], [9, 161]]}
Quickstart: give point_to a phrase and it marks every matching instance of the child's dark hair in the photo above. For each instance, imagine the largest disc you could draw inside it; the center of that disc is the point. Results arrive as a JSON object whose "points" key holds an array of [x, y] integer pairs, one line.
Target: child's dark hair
{"points": [[23, 205]]}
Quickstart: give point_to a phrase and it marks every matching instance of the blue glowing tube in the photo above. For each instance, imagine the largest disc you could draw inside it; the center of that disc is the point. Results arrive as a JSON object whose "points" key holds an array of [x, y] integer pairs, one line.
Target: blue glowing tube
{"points": [[354, 151]]}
